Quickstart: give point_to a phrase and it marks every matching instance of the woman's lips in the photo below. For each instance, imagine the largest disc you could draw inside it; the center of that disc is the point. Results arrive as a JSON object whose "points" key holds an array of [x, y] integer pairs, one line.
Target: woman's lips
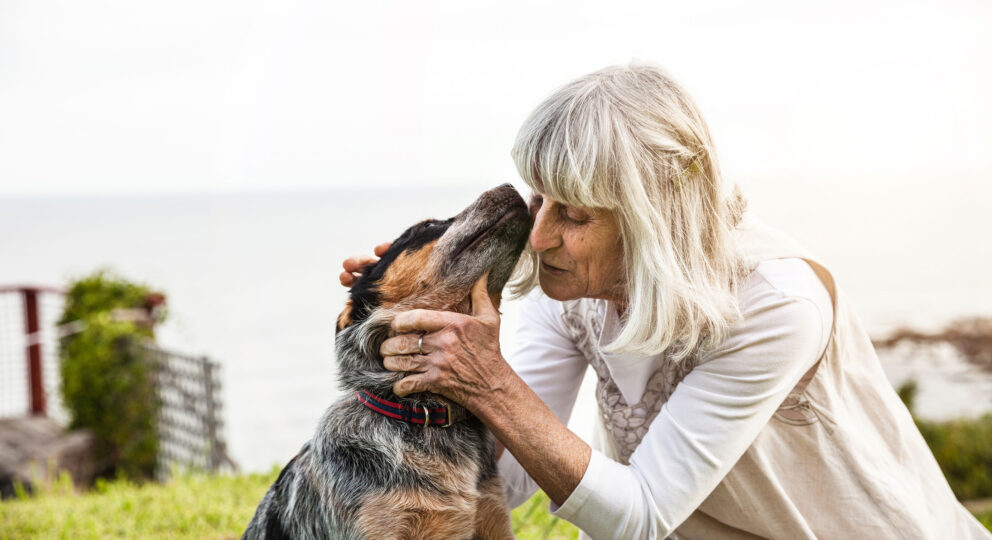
{"points": [[553, 270]]}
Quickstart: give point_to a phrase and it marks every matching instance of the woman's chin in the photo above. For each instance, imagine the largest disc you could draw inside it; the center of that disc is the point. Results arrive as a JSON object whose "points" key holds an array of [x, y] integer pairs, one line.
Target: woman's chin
{"points": [[553, 288]]}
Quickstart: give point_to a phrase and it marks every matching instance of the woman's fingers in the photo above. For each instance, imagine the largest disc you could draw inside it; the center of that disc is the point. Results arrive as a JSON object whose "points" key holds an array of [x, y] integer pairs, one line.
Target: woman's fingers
{"points": [[482, 303], [408, 344], [412, 384], [448, 353], [404, 363], [347, 278], [356, 263], [423, 320], [353, 267]]}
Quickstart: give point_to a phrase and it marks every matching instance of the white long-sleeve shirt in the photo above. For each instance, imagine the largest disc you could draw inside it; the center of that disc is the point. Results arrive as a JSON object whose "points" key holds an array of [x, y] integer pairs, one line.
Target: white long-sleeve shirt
{"points": [[708, 422]]}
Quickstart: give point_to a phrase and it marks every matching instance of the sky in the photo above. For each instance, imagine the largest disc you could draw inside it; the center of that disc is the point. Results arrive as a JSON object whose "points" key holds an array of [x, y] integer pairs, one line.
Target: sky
{"points": [[186, 96]]}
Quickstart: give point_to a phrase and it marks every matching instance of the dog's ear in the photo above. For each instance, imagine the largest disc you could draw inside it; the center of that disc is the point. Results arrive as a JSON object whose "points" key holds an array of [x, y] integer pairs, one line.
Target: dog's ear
{"points": [[344, 319]]}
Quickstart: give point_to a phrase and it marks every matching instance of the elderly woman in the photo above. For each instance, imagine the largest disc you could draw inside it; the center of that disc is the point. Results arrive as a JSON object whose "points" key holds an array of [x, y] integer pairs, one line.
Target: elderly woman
{"points": [[739, 395]]}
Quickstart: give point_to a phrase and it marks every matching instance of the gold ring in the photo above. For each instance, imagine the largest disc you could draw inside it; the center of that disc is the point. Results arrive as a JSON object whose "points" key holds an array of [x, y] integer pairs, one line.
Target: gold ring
{"points": [[420, 344]]}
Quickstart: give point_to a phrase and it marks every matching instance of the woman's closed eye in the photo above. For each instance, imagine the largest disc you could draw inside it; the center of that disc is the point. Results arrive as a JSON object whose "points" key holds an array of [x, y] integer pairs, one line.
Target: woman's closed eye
{"points": [[574, 215], [570, 214]]}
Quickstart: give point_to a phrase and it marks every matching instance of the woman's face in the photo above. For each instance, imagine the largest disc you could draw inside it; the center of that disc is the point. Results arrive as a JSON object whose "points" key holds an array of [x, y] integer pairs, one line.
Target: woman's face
{"points": [[579, 250]]}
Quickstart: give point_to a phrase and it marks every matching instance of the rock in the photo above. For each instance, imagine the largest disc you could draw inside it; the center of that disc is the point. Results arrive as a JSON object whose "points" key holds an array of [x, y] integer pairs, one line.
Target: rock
{"points": [[35, 449]]}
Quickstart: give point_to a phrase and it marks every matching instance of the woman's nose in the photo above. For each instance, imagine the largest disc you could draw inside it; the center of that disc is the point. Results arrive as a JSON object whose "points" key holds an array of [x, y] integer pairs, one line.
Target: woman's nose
{"points": [[543, 235]]}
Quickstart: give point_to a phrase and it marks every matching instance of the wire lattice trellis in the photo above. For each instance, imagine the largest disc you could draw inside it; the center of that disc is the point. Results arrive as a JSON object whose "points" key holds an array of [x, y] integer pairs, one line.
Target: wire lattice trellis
{"points": [[189, 420]]}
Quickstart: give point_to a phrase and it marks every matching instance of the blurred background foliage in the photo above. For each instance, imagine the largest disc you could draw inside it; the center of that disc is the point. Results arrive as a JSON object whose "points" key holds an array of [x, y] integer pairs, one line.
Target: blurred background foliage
{"points": [[963, 448], [106, 387]]}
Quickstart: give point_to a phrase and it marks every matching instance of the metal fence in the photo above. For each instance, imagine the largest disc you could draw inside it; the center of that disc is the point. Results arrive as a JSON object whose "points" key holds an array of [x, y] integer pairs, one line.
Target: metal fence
{"points": [[190, 425], [189, 421], [29, 369]]}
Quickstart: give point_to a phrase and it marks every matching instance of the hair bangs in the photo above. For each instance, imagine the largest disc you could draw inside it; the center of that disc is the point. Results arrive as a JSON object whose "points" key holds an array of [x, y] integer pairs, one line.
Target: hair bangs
{"points": [[564, 150]]}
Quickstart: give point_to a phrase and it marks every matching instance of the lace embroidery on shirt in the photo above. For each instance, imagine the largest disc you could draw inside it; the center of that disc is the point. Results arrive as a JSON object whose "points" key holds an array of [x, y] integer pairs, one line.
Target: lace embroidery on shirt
{"points": [[627, 424]]}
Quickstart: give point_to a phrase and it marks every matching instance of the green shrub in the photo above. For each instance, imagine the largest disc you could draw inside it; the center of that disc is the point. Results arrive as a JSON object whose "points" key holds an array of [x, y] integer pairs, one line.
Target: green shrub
{"points": [[985, 519], [107, 387], [963, 448]]}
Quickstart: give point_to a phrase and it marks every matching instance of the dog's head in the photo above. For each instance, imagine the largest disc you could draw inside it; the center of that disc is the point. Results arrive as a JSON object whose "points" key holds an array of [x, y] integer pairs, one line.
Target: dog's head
{"points": [[433, 265]]}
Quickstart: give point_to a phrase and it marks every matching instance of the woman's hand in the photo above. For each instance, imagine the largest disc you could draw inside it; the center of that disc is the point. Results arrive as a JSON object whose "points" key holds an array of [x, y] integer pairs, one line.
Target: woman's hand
{"points": [[460, 357], [353, 265], [461, 361]]}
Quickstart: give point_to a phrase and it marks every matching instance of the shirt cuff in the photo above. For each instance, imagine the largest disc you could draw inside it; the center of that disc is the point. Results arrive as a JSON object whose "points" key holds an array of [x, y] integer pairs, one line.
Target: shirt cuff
{"points": [[599, 498], [606, 503], [577, 499]]}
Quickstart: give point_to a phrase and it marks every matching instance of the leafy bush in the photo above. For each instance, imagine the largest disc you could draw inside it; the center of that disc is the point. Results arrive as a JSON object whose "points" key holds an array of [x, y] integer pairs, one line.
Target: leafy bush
{"points": [[963, 449], [985, 519], [107, 387]]}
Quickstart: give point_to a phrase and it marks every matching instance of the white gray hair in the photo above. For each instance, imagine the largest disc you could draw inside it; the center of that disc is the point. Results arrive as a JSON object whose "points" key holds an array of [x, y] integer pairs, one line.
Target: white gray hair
{"points": [[630, 140]]}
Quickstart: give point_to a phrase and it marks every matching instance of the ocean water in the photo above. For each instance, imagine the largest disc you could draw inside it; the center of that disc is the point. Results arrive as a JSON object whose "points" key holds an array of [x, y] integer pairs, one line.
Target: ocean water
{"points": [[252, 278]]}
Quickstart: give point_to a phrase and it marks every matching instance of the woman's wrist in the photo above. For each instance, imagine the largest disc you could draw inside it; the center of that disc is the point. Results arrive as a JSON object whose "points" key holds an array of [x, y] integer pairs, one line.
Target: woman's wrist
{"points": [[497, 404], [554, 457]]}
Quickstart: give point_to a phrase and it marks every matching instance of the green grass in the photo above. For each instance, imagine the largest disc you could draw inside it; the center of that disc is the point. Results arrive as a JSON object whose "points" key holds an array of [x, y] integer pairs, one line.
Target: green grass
{"points": [[189, 507], [199, 506], [532, 520], [192, 506]]}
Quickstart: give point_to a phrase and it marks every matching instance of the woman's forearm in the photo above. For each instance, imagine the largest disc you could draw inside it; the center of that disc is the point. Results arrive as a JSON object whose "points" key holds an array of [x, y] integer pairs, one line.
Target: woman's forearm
{"points": [[554, 457]]}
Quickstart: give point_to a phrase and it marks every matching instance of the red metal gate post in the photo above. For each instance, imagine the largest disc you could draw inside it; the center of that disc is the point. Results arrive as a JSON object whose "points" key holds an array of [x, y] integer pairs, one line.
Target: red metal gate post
{"points": [[32, 329]]}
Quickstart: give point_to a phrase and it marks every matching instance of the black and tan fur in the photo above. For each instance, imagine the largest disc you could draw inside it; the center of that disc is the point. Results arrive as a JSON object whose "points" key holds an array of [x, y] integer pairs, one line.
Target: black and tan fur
{"points": [[367, 476]]}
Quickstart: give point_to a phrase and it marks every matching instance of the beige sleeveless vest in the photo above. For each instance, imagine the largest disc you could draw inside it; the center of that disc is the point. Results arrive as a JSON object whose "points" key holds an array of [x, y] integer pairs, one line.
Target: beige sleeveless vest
{"points": [[841, 458]]}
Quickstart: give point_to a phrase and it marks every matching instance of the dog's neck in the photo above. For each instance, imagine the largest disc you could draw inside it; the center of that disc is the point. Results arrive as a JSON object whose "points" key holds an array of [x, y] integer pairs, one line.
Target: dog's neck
{"points": [[360, 368]]}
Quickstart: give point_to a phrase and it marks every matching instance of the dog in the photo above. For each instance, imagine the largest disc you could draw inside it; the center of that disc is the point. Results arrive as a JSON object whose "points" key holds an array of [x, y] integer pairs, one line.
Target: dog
{"points": [[381, 466]]}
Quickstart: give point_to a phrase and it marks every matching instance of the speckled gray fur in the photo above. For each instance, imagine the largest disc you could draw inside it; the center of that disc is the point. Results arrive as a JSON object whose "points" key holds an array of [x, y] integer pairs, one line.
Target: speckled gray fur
{"points": [[356, 452]]}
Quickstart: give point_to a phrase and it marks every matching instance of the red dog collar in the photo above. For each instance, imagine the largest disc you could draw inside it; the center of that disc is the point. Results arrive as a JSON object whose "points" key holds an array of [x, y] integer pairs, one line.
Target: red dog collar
{"points": [[440, 416]]}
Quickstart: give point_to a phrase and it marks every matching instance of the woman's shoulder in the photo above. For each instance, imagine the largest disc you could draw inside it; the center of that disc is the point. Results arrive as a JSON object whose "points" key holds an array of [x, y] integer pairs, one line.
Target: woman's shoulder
{"points": [[785, 295], [791, 277], [784, 306]]}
